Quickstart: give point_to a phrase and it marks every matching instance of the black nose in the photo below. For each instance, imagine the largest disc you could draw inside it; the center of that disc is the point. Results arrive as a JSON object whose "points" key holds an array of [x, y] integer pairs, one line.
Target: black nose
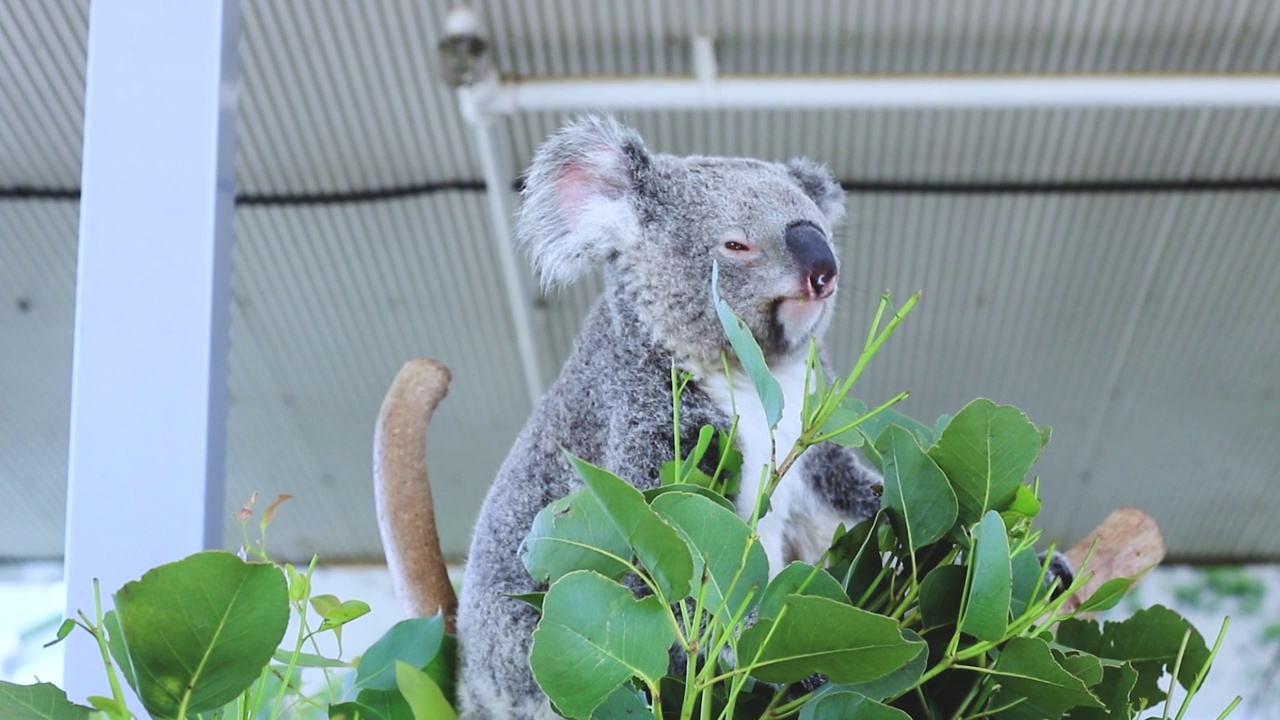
{"points": [[813, 253]]}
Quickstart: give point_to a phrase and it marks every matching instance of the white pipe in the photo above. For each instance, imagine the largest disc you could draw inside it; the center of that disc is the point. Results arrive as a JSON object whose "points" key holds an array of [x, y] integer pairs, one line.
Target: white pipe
{"points": [[498, 184], [809, 92]]}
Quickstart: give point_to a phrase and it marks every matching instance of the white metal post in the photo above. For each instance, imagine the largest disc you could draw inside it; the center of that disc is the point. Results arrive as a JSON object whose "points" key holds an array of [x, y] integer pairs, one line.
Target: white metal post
{"points": [[149, 376]]}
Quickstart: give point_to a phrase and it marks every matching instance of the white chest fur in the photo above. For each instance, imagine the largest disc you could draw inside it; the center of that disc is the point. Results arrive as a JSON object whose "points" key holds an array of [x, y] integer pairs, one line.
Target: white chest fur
{"points": [[793, 505]]}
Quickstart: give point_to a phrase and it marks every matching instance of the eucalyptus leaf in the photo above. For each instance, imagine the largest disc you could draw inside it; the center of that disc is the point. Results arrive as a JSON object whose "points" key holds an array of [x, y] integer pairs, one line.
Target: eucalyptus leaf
{"points": [[942, 596], [377, 705], [986, 610], [846, 414], [749, 354], [1113, 692], [815, 581], [875, 426], [424, 697], [201, 629], [1107, 596], [659, 547], [285, 657], [593, 636], [1026, 670], [574, 533], [898, 681], [1083, 665], [652, 494], [721, 543], [917, 495], [42, 701], [623, 704], [343, 613], [115, 646], [849, 646], [414, 641], [1152, 636], [1028, 582], [1024, 503], [849, 705], [986, 451]]}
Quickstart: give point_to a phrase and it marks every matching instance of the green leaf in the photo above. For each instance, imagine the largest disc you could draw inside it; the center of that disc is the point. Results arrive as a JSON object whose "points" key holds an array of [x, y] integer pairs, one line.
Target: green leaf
{"points": [[874, 427], [1024, 503], [986, 611], [1150, 639], [201, 629], [719, 542], [848, 705], [652, 494], [1026, 669], [1028, 582], [857, 553], [659, 547], [1083, 665], [592, 637], [115, 645], [299, 585], [1107, 596], [308, 660], [919, 500], [533, 599], [443, 668], [848, 646], [574, 533], [63, 631], [1113, 692], [846, 413], [941, 596], [896, 682], [986, 450], [343, 613], [375, 705], [788, 583], [109, 705], [749, 355], [941, 424], [42, 701], [414, 641], [624, 703], [352, 711], [421, 693]]}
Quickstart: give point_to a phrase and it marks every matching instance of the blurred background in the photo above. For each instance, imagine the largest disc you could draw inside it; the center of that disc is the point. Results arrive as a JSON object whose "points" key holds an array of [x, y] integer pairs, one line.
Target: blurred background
{"points": [[1107, 266]]}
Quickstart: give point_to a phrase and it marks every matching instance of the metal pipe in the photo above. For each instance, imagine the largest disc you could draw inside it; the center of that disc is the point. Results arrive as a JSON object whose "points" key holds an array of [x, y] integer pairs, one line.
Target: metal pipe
{"points": [[810, 92], [498, 184]]}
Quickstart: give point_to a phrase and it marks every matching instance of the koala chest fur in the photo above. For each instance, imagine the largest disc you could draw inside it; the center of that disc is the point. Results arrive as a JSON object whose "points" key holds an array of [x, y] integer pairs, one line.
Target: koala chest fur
{"points": [[799, 524]]}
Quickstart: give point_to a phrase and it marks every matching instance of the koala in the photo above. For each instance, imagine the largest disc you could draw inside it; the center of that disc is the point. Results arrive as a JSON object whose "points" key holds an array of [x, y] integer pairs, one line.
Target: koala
{"points": [[596, 198]]}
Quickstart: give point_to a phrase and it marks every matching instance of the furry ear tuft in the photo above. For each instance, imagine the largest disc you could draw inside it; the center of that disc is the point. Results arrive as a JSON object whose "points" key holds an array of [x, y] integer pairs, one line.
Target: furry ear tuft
{"points": [[577, 208], [816, 182]]}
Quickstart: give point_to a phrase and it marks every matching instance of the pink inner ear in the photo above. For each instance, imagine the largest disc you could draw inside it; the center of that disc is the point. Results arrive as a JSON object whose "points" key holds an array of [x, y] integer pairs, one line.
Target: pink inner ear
{"points": [[573, 187]]}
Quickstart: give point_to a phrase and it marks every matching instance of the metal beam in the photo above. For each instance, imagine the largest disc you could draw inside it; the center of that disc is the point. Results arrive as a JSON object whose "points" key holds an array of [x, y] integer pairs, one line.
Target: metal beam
{"points": [[149, 374]]}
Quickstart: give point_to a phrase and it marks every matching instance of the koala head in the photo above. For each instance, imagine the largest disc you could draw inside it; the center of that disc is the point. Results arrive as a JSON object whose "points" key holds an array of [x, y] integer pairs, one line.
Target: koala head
{"points": [[596, 197]]}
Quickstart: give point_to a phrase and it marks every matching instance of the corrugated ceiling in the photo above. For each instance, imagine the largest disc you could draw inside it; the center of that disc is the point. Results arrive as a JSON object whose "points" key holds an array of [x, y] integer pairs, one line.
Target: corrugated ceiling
{"points": [[1144, 326]]}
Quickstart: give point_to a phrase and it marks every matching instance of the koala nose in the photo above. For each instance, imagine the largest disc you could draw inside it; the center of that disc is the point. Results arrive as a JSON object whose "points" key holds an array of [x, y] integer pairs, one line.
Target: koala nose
{"points": [[817, 263]]}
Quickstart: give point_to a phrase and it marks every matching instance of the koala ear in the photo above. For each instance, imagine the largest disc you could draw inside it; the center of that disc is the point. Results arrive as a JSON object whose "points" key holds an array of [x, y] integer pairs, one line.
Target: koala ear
{"points": [[578, 207], [817, 183]]}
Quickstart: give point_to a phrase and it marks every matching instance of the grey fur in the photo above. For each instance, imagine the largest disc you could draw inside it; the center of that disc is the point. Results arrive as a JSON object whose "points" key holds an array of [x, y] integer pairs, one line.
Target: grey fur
{"points": [[595, 197]]}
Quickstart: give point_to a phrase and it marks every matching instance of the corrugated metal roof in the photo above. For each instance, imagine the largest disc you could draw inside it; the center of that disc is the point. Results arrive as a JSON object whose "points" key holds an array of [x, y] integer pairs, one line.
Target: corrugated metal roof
{"points": [[1141, 325]]}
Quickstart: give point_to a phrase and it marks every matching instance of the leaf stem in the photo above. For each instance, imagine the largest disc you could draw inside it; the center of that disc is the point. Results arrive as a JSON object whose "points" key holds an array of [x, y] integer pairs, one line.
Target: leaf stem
{"points": [[1204, 670], [99, 633]]}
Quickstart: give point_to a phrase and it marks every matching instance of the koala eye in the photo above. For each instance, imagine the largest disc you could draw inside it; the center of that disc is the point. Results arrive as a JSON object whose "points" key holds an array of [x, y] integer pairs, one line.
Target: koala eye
{"points": [[735, 246]]}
